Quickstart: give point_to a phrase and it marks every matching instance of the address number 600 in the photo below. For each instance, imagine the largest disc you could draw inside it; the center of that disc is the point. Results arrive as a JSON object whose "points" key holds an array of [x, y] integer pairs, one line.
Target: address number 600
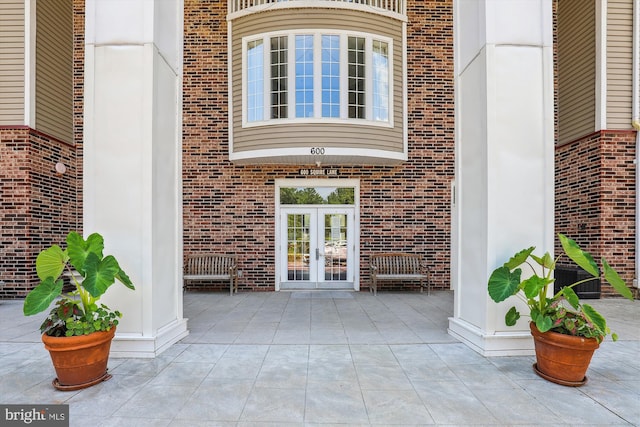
{"points": [[317, 150]]}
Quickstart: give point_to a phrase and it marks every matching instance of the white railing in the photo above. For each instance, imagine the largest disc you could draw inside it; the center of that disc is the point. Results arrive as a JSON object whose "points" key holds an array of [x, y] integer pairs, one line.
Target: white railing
{"points": [[394, 6]]}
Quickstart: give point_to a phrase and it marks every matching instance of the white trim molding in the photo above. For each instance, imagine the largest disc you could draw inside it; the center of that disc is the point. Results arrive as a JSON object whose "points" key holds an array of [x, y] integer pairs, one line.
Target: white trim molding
{"points": [[30, 63], [517, 343], [324, 155], [129, 345], [601, 65], [393, 9]]}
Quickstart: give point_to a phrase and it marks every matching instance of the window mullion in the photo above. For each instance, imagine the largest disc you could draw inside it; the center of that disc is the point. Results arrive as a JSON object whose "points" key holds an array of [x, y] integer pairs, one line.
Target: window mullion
{"points": [[245, 83], [368, 81], [317, 75], [266, 115], [291, 76], [344, 77], [390, 106]]}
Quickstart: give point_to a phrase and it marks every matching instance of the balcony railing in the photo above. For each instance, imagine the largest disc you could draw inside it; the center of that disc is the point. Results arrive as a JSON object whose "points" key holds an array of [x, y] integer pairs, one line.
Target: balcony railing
{"points": [[391, 6]]}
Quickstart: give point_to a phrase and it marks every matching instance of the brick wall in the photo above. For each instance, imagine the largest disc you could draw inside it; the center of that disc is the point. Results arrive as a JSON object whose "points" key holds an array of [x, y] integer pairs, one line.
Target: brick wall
{"points": [[595, 198], [229, 208], [38, 204], [15, 250], [78, 93]]}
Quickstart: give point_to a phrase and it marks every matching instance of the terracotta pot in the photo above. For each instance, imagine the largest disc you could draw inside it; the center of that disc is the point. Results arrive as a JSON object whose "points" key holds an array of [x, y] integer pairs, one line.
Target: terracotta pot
{"points": [[563, 359], [80, 361]]}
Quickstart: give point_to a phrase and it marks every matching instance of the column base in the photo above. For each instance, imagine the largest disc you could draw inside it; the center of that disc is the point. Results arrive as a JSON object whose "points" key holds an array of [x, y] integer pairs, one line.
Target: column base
{"points": [[147, 347], [519, 343]]}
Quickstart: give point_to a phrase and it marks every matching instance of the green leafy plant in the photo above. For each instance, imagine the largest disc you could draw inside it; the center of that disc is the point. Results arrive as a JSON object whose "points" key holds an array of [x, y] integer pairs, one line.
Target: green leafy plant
{"points": [[76, 312], [563, 312]]}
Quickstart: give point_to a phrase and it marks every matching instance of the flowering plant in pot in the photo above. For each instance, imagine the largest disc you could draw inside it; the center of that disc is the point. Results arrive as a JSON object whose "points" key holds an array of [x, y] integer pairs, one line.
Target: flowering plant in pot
{"points": [[560, 317], [76, 319]]}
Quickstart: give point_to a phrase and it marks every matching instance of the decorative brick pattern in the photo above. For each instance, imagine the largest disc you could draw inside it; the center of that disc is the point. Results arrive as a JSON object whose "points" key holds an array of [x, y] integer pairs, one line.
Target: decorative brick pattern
{"points": [[595, 198]]}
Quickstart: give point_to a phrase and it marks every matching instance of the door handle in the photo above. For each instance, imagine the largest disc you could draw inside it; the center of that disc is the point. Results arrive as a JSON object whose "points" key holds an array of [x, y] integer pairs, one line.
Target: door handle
{"points": [[318, 254]]}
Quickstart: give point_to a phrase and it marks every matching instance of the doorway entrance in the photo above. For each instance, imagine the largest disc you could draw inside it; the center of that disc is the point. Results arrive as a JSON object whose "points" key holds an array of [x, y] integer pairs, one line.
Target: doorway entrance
{"points": [[316, 237], [317, 244]]}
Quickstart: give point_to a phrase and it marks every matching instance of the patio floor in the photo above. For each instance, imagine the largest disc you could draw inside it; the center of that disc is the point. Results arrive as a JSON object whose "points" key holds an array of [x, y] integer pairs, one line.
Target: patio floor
{"points": [[328, 358]]}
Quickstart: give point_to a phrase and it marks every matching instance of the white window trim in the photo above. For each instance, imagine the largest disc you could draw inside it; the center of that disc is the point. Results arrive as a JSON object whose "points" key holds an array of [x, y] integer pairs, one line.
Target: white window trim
{"points": [[317, 33], [601, 65]]}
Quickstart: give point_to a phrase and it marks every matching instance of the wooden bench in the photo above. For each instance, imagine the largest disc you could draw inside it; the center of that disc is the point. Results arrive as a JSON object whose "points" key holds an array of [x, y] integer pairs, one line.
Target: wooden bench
{"points": [[398, 266], [212, 267]]}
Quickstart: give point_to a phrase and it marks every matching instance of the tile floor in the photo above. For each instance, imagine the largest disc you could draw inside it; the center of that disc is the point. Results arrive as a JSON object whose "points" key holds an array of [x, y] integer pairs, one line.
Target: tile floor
{"points": [[328, 358]]}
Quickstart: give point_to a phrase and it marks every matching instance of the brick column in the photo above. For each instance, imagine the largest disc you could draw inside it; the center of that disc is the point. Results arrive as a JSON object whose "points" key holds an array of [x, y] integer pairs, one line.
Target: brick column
{"points": [[132, 157], [504, 158]]}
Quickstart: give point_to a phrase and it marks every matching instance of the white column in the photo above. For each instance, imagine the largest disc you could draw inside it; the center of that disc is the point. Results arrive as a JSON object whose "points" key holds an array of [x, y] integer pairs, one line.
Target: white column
{"points": [[132, 163], [504, 158]]}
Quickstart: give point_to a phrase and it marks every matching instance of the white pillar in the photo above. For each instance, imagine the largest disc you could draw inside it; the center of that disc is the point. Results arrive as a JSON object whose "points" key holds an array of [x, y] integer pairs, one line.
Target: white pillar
{"points": [[504, 158], [132, 163]]}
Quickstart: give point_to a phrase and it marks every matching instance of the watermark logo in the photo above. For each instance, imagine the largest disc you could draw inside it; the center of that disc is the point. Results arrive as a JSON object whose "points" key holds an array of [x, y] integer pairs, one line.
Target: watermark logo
{"points": [[34, 415]]}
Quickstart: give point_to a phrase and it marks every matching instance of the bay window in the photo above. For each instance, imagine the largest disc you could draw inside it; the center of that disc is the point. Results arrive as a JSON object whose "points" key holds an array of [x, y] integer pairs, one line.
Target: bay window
{"points": [[317, 76]]}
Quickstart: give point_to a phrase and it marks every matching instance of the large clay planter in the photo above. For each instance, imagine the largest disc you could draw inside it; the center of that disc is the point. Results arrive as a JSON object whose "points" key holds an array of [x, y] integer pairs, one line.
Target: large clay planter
{"points": [[562, 359], [80, 361]]}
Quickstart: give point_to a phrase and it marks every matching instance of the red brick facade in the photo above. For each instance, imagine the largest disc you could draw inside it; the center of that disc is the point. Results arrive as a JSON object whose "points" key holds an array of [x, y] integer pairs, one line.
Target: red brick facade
{"points": [[39, 205], [78, 92], [230, 208], [595, 197], [595, 192]]}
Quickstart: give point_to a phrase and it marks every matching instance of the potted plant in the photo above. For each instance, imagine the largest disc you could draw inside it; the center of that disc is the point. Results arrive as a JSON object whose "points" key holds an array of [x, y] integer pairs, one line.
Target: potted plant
{"points": [[566, 332], [77, 332]]}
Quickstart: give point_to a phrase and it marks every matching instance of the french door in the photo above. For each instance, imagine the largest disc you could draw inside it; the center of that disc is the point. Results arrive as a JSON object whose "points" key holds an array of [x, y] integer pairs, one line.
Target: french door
{"points": [[317, 247]]}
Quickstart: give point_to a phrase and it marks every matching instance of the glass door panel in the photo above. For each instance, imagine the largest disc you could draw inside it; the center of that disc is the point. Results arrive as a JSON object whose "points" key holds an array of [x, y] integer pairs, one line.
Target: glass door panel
{"points": [[298, 246], [335, 246]]}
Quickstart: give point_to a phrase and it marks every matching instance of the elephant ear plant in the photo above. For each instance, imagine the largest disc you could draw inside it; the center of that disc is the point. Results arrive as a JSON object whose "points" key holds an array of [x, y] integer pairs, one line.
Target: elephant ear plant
{"points": [[562, 312], [77, 312]]}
